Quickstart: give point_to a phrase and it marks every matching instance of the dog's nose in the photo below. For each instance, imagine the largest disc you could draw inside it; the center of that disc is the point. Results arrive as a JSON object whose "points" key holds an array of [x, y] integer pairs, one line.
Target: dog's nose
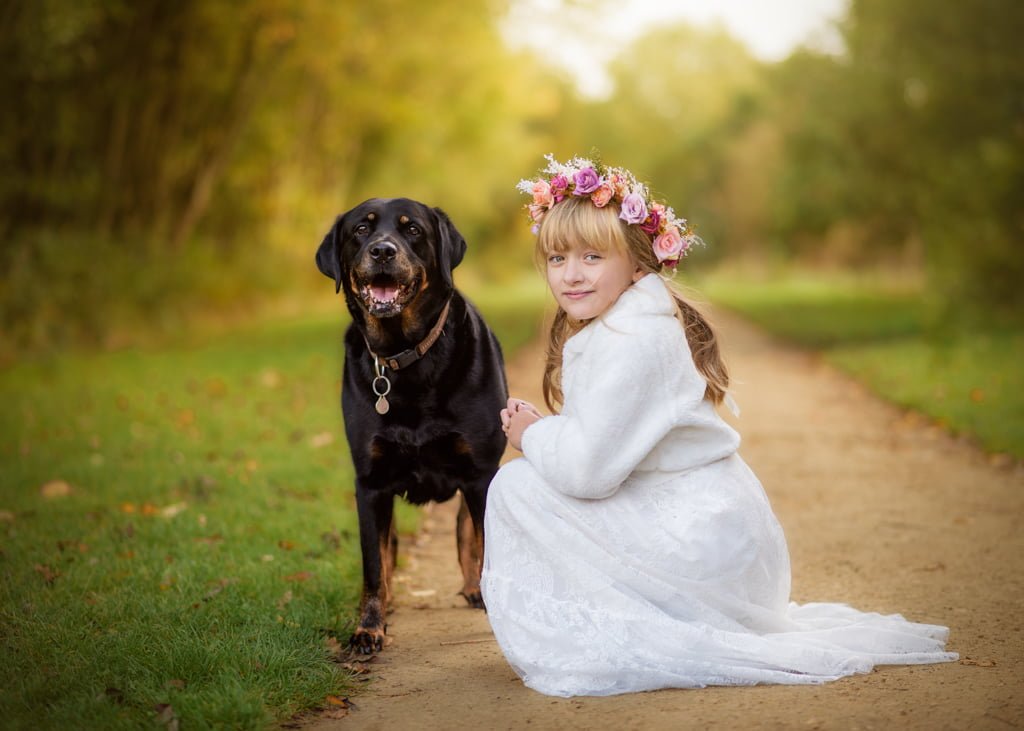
{"points": [[383, 251]]}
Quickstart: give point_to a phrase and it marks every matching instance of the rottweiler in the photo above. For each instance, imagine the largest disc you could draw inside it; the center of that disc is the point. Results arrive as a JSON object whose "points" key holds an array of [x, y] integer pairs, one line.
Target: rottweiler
{"points": [[422, 385]]}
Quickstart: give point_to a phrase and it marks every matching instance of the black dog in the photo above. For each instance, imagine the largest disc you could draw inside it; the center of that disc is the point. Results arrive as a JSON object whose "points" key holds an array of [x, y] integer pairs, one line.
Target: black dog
{"points": [[422, 387]]}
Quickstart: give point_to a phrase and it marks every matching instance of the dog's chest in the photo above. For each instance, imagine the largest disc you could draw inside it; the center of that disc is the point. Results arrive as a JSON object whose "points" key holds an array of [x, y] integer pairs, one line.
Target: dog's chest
{"points": [[422, 470]]}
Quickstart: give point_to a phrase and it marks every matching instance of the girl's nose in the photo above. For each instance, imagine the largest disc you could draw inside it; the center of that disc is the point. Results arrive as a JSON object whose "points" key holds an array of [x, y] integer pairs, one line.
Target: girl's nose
{"points": [[573, 272]]}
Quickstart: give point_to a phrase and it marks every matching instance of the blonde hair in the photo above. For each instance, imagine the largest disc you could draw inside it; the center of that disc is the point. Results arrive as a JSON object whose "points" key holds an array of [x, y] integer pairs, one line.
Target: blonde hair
{"points": [[578, 220]]}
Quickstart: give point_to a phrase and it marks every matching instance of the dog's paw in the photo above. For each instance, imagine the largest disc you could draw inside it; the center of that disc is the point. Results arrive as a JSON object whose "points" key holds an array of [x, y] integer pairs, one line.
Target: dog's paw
{"points": [[473, 598], [368, 640]]}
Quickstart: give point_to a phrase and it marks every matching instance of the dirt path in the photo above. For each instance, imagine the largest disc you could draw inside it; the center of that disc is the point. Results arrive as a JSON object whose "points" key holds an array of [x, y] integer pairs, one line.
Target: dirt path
{"points": [[881, 510]]}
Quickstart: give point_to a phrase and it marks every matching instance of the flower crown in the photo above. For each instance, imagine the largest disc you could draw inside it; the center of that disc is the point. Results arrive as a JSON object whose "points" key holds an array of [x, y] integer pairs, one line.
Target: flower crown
{"points": [[671, 237]]}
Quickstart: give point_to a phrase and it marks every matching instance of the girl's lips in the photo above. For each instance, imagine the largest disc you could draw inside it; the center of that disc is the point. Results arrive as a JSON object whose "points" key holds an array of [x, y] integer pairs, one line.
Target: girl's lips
{"points": [[575, 295]]}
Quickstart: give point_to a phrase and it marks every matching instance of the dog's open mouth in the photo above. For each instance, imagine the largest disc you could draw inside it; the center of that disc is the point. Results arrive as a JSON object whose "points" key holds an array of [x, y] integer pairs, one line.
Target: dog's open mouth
{"points": [[384, 296]]}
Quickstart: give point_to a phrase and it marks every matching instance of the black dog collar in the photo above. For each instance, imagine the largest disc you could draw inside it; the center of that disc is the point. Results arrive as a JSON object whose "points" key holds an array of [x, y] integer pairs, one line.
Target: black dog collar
{"points": [[407, 357], [381, 384]]}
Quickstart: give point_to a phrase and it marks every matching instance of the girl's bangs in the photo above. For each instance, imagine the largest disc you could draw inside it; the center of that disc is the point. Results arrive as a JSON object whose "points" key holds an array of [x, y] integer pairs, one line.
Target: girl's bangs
{"points": [[580, 224]]}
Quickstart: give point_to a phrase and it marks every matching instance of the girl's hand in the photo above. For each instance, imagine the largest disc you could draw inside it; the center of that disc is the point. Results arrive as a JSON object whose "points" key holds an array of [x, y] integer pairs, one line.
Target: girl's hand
{"points": [[515, 417]]}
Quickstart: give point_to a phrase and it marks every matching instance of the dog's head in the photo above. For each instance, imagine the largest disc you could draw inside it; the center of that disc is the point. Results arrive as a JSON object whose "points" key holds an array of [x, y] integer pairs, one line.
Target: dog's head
{"points": [[386, 253]]}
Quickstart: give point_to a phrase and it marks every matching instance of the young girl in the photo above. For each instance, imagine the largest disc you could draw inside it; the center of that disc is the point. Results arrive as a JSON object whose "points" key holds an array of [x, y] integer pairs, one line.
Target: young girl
{"points": [[631, 548]]}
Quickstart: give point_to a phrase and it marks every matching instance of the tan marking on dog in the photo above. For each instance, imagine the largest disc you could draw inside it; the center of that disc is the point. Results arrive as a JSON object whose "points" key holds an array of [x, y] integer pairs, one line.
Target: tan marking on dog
{"points": [[403, 220], [469, 540], [371, 216], [388, 561]]}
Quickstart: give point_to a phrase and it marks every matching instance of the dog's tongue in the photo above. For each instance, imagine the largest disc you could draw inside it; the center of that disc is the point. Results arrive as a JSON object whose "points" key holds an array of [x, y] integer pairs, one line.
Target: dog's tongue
{"points": [[384, 294]]}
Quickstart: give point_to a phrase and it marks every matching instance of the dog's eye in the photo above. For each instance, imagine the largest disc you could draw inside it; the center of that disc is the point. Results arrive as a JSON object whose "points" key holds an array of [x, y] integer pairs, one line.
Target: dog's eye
{"points": [[362, 228], [414, 230]]}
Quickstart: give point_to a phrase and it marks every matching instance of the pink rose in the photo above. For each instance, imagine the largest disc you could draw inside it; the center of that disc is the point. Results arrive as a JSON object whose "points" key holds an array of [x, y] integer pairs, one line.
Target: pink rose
{"points": [[542, 193], [537, 211], [559, 186], [586, 180], [602, 195], [634, 208], [669, 245]]}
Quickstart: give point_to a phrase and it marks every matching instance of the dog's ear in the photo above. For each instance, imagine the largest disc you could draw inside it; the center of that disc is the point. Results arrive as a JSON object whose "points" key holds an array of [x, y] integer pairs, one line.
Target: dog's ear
{"points": [[328, 256], [452, 247]]}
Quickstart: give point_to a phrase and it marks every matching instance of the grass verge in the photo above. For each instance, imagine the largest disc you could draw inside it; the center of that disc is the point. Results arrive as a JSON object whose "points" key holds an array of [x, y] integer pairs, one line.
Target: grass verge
{"points": [[179, 530], [880, 332]]}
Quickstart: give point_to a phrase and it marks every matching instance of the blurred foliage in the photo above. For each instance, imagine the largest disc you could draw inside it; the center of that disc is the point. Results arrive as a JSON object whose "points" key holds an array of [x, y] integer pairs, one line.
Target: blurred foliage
{"points": [[911, 144], [179, 156], [160, 159]]}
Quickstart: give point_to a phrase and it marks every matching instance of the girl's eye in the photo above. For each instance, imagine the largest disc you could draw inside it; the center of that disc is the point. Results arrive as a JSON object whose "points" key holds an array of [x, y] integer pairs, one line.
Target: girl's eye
{"points": [[592, 257], [555, 259]]}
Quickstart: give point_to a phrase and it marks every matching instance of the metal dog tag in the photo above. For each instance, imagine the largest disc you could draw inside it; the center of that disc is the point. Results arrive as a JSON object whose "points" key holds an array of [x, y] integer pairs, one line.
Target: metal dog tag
{"points": [[381, 386]]}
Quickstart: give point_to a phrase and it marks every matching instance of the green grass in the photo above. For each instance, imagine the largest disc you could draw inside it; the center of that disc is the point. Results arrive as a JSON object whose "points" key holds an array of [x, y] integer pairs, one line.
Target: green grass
{"points": [[970, 382], [208, 548]]}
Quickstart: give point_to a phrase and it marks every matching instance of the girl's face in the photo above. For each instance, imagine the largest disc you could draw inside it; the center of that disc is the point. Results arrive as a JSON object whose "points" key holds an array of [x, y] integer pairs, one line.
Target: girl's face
{"points": [[586, 282]]}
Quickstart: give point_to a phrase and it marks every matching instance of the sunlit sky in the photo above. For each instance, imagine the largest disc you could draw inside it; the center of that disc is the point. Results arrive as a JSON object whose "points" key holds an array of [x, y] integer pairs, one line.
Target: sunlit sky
{"points": [[582, 40]]}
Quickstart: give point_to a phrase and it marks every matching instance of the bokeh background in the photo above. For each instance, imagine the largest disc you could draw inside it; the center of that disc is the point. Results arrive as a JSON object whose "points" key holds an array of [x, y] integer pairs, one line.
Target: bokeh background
{"points": [[168, 161], [178, 533]]}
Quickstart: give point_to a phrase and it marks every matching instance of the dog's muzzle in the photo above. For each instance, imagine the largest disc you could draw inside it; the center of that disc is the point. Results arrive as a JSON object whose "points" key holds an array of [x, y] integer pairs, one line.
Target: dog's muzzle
{"points": [[385, 281]]}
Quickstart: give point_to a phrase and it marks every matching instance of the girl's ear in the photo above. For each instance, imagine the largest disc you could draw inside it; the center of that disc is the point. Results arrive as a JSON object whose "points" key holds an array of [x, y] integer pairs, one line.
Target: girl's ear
{"points": [[638, 275]]}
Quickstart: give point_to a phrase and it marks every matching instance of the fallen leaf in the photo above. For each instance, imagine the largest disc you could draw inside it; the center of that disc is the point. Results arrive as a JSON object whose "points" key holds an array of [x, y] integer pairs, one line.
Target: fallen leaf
{"points": [[127, 507], [166, 716], [48, 574], [321, 440], [167, 583], [285, 545], [149, 509], [55, 488], [333, 700], [171, 510], [977, 395], [185, 417], [284, 600], [210, 540], [299, 576], [356, 668], [176, 683], [333, 646], [216, 388], [332, 539], [219, 587], [6, 516], [978, 663], [270, 378]]}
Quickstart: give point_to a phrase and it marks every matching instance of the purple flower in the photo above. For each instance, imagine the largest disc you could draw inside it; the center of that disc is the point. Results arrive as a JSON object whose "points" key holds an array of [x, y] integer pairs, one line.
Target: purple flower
{"points": [[587, 181], [634, 208], [652, 224]]}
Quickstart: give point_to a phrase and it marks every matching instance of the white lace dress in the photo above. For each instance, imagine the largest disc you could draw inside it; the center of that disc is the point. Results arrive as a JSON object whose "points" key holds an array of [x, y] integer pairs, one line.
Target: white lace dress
{"points": [[632, 549]]}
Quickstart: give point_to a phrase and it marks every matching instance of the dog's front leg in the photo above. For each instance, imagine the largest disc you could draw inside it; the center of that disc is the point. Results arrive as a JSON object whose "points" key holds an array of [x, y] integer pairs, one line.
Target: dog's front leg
{"points": [[376, 538]]}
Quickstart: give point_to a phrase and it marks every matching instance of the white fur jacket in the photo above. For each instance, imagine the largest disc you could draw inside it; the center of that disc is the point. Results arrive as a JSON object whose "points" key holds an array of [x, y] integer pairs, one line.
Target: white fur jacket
{"points": [[634, 402]]}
